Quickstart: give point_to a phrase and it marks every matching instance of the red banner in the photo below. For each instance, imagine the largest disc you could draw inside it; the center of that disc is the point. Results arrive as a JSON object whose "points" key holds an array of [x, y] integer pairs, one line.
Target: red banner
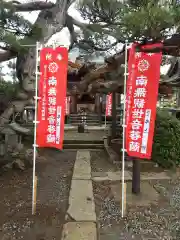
{"points": [[51, 93], [67, 104], [142, 93], [109, 105], [130, 81]]}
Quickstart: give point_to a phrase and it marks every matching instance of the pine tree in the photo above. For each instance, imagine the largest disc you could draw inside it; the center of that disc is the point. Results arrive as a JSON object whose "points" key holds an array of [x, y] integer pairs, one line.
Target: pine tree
{"points": [[13, 27], [132, 20]]}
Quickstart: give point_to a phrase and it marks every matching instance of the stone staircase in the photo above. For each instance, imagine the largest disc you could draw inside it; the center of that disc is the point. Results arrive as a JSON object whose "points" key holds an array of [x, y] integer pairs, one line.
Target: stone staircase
{"points": [[83, 144], [90, 119], [92, 138], [93, 119]]}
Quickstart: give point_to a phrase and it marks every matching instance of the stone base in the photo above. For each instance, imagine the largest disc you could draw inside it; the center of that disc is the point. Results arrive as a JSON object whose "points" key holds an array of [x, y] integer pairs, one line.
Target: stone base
{"points": [[154, 176], [147, 196], [81, 198], [81, 201], [79, 231], [111, 176]]}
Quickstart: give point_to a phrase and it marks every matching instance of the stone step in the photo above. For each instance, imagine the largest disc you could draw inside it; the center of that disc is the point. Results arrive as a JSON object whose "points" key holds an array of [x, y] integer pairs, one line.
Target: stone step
{"points": [[80, 117], [71, 141], [89, 114], [88, 117], [83, 146], [87, 123], [110, 176], [92, 122]]}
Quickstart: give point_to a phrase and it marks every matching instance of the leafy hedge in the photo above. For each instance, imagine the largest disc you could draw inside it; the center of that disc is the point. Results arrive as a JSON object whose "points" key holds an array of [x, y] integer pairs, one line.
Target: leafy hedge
{"points": [[166, 146]]}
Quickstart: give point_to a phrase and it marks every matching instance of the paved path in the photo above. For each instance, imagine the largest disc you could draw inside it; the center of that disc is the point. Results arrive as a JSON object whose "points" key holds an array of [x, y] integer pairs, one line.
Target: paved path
{"points": [[81, 202]]}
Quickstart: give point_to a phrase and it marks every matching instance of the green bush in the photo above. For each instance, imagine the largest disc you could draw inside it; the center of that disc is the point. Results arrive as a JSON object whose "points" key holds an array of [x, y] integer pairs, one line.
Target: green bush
{"points": [[166, 146]]}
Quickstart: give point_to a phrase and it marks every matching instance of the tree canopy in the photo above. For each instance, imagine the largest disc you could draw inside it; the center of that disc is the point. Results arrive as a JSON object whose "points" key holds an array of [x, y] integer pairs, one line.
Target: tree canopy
{"points": [[132, 20], [108, 21]]}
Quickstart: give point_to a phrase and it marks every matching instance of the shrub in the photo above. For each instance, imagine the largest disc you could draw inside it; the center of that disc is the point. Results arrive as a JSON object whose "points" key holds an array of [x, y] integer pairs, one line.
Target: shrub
{"points": [[166, 146]]}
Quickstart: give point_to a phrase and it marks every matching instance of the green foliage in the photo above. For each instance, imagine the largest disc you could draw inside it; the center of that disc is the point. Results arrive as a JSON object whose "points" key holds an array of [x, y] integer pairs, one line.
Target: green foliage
{"points": [[15, 30], [8, 92], [133, 19], [149, 20], [166, 146], [99, 10], [8, 88]]}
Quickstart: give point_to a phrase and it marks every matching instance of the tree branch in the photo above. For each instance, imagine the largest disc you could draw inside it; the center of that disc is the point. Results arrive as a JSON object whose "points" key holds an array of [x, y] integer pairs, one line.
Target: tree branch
{"points": [[6, 55], [91, 45], [105, 87], [83, 26], [84, 44], [32, 6], [70, 26]]}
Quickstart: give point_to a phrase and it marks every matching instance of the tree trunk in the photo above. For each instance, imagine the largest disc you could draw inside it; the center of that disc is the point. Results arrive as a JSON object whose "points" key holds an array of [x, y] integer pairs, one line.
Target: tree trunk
{"points": [[49, 22]]}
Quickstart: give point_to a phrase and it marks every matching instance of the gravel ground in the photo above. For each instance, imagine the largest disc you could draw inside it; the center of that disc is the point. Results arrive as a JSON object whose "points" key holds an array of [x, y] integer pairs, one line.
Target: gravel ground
{"points": [[160, 222], [100, 163], [54, 179]]}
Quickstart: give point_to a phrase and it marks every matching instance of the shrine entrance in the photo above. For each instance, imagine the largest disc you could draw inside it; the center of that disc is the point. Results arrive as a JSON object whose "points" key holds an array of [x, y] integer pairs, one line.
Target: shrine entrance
{"points": [[86, 102], [88, 107], [93, 103]]}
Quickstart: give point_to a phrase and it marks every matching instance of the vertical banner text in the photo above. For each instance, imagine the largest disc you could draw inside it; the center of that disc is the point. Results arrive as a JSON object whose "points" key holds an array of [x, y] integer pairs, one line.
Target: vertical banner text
{"points": [[52, 94], [142, 92]]}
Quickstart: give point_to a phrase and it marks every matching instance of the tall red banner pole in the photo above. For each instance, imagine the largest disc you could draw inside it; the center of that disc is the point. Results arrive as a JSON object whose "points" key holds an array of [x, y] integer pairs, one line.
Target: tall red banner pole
{"points": [[50, 94], [35, 130]]}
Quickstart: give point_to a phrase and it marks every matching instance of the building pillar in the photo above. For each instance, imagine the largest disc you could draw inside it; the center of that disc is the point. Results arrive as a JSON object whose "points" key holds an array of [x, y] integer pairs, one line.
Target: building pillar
{"points": [[73, 105], [118, 99], [104, 103], [97, 102], [114, 113], [98, 106]]}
